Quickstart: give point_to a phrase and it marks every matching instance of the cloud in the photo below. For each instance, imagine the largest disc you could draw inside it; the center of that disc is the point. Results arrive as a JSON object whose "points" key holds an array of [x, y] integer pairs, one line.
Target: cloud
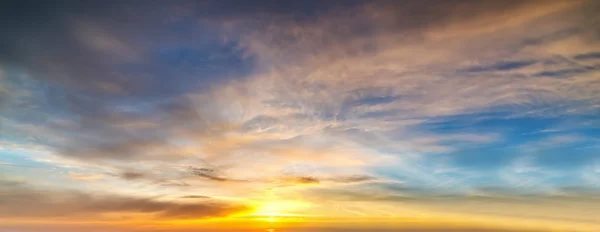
{"points": [[26, 202], [195, 197], [243, 98], [305, 180], [132, 175], [395, 66], [209, 174], [289, 96], [503, 66], [83, 176], [283, 180], [587, 56], [352, 179], [325, 180]]}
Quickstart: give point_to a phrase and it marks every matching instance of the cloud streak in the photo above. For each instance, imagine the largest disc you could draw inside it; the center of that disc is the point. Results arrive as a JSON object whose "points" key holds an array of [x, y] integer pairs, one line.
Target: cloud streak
{"points": [[25, 202]]}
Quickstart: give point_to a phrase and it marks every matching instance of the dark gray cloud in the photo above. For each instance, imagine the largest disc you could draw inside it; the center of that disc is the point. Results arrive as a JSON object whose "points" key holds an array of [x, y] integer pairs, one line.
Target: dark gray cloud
{"points": [[567, 72], [588, 56], [351, 179], [209, 174], [305, 180], [132, 175], [195, 197], [503, 66]]}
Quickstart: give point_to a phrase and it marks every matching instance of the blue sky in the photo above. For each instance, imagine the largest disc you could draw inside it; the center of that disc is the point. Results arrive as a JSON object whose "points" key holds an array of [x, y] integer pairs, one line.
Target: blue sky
{"points": [[339, 100]]}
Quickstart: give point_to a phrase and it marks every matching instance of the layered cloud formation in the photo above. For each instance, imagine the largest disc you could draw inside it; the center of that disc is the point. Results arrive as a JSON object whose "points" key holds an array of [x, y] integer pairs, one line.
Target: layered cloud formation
{"points": [[200, 110]]}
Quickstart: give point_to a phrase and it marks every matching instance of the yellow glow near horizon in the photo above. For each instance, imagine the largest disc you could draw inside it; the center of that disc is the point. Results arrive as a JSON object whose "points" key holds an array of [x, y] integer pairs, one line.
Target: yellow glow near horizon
{"points": [[271, 211], [272, 219]]}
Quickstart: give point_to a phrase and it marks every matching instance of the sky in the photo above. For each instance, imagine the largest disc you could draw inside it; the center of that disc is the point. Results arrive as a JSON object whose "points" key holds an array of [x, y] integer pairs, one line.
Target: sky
{"points": [[296, 116]]}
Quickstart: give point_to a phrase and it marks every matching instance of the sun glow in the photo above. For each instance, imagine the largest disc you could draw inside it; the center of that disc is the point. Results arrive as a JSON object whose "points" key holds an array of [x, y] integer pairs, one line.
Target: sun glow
{"points": [[273, 211]]}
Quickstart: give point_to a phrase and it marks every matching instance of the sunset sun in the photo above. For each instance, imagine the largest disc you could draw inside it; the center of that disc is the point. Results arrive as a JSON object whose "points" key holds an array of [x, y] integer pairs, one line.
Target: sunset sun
{"points": [[276, 211]]}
